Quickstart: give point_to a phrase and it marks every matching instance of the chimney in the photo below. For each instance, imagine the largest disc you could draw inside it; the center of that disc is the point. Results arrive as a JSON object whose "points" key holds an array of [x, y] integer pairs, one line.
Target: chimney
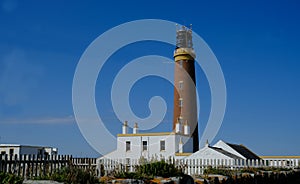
{"points": [[207, 143], [125, 128], [186, 128], [180, 146], [135, 128], [178, 126]]}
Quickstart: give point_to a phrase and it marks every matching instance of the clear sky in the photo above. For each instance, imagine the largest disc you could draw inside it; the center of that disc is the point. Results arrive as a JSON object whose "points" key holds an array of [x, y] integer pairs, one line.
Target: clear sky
{"points": [[256, 43]]}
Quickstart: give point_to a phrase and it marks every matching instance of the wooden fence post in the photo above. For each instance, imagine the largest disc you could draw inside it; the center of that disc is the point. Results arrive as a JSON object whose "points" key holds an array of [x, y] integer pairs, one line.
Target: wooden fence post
{"points": [[1, 163]]}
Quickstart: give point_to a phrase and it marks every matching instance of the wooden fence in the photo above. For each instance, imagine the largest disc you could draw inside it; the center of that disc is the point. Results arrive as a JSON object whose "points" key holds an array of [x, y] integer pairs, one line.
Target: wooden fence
{"points": [[197, 166], [29, 166]]}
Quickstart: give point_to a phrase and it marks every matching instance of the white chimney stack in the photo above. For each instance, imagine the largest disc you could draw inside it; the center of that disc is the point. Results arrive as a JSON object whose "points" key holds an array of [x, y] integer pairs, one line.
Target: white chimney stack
{"points": [[186, 128], [207, 143], [178, 126], [135, 128], [180, 146], [125, 128]]}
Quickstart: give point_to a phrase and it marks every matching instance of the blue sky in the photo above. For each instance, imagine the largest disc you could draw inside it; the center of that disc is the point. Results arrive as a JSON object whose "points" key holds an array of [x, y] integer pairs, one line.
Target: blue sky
{"points": [[256, 43]]}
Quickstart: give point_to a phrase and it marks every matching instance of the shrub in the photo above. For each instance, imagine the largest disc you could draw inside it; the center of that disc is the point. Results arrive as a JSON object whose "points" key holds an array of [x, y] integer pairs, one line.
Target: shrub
{"points": [[74, 175], [10, 178], [224, 172], [160, 168], [148, 171]]}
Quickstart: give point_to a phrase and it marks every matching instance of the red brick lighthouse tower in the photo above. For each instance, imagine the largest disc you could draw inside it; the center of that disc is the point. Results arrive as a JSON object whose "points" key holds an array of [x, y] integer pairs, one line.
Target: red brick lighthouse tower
{"points": [[185, 104]]}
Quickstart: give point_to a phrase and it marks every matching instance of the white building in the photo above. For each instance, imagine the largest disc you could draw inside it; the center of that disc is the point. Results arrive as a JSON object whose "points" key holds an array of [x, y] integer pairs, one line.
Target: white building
{"points": [[151, 145], [176, 144], [209, 152], [226, 151], [238, 150], [17, 149], [183, 141]]}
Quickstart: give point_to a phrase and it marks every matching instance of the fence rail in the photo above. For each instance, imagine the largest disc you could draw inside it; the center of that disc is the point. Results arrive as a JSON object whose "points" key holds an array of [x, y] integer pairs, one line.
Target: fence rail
{"points": [[197, 166], [29, 166]]}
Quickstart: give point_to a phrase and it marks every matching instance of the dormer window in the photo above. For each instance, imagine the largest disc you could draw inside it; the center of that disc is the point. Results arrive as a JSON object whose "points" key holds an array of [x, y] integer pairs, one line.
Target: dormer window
{"points": [[180, 102], [180, 85], [180, 63]]}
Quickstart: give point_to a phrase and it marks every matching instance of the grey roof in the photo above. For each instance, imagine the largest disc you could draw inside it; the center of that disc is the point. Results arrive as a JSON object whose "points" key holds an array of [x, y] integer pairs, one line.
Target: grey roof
{"points": [[220, 150], [243, 150]]}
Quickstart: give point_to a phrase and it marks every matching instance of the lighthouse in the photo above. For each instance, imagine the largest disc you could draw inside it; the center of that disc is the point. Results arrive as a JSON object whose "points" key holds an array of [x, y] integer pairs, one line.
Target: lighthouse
{"points": [[183, 140], [181, 144], [185, 105]]}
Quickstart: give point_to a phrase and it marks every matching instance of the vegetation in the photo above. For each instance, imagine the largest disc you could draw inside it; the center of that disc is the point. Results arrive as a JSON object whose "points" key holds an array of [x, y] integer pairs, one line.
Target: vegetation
{"points": [[221, 171], [160, 168], [260, 169], [254, 175], [67, 175], [253, 170], [10, 178], [150, 170], [74, 175]]}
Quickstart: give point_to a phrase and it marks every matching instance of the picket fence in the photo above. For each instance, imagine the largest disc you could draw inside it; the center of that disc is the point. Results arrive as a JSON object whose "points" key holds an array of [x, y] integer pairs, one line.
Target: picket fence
{"points": [[196, 166], [29, 166]]}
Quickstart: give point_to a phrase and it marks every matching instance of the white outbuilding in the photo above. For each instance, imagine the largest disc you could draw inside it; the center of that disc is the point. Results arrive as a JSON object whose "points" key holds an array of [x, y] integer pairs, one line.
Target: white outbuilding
{"points": [[18, 149]]}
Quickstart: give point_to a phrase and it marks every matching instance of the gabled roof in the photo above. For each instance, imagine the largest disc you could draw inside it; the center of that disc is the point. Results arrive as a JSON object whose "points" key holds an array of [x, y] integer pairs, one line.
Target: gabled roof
{"points": [[239, 150], [243, 150], [220, 150], [210, 152]]}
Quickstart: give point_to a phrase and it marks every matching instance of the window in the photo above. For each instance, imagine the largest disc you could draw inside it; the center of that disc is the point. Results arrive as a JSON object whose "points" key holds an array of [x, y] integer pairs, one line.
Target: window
{"points": [[11, 151], [180, 63], [127, 145], [180, 102], [162, 145], [180, 85], [144, 145]]}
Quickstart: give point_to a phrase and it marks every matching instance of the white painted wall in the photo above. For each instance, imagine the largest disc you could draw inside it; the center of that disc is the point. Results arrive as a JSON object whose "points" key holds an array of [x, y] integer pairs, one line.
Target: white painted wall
{"points": [[153, 146], [7, 149], [208, 153], [51, 151]]}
